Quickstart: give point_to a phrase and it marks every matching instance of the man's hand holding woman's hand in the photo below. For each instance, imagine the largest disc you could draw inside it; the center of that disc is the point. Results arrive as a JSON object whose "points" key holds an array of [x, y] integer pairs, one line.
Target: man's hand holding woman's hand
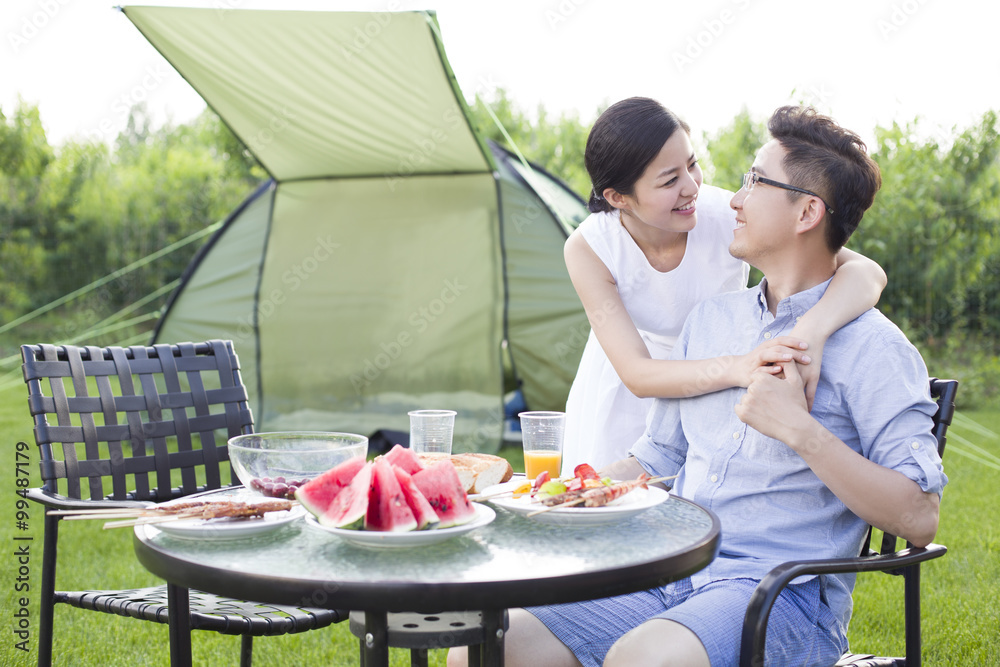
{"points": [[768, 357], [775, 404]]}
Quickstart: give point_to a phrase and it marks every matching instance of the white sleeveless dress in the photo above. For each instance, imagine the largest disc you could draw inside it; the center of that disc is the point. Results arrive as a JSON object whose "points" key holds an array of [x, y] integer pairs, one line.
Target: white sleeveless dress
{"points": [[603, 418]]}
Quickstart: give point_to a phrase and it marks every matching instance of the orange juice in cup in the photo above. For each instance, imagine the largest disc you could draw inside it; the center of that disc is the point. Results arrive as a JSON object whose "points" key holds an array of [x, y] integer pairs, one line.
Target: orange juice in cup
{"points": [[542, 435], [535, 461]]}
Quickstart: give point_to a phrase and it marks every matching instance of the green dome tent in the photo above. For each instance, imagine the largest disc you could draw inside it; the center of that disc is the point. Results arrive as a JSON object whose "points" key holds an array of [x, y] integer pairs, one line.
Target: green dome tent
{"points": [[396, 260]]}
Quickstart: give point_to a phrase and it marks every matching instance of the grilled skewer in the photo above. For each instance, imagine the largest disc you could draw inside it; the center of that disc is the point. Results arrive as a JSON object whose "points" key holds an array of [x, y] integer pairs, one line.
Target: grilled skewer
{"points": [[195, 509]]}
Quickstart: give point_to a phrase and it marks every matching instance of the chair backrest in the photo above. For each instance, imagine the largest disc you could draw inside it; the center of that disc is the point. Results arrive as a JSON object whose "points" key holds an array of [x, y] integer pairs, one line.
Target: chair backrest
{"points": [[136, 423], [943, 392]]}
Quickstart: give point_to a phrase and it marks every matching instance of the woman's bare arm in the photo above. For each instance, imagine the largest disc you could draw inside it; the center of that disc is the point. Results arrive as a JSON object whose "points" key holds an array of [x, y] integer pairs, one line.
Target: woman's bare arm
{"points": [[855, 288], [627, 352]]}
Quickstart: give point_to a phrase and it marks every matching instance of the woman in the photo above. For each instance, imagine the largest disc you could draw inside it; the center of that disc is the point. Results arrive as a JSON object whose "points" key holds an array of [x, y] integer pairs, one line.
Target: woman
{"points": [[656, 244]]}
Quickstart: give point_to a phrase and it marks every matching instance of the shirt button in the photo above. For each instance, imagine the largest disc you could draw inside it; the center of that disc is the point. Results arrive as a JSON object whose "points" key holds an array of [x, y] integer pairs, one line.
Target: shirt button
{"points": [[714, 478], [736, 435], [767, 335], [915, 445]]}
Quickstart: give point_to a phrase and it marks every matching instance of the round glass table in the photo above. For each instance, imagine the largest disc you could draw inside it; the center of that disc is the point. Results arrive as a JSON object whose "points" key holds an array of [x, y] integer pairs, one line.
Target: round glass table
{"points": [[513, 561]]}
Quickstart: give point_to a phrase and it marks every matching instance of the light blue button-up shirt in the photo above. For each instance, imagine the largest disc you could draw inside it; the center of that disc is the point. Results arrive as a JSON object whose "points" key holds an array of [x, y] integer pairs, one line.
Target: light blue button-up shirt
{"points": [[872, 394]]}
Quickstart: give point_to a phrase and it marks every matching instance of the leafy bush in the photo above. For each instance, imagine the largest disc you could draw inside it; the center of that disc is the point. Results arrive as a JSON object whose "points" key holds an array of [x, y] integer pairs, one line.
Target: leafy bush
{"points": [[973, 361]]}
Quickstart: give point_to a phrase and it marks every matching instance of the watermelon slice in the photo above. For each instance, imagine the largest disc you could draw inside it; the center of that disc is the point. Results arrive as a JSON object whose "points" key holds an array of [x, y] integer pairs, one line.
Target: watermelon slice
{"points": [[349, 507], [405, 458], [317, 494], [427, 518], [443, 489], [387, 506]]}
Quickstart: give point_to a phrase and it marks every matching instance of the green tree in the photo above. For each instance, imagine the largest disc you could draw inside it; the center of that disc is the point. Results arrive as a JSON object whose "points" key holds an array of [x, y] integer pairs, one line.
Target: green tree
{"points": [[732, 149], [557, 145], [25, 214], [73, 215], [933, 223]]}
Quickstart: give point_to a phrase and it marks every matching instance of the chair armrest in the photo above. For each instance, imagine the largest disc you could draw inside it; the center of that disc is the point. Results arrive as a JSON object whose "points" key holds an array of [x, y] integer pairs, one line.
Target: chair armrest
{"points": [[56, 501], [767, 591]]}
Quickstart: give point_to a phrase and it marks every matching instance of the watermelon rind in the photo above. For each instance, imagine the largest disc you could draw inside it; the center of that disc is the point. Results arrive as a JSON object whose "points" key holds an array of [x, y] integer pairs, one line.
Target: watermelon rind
{"points": [[349, 508], [443, 489], [317, 494], [427, 518], [388, 510], [405, 458]]}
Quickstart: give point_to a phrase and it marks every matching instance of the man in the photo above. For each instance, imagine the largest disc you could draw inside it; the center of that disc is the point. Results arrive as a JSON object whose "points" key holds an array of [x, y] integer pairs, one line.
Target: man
{"points": [[785, 483]]}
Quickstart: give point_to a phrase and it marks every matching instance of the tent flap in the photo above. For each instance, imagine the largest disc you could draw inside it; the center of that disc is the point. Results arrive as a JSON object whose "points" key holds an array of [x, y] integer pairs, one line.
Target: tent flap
{"points": [[396, 253], [322, 94]]}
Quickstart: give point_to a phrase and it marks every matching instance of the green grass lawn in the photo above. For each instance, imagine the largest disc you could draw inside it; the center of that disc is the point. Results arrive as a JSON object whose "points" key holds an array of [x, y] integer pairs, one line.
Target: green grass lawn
{"points": [[961, 617]]}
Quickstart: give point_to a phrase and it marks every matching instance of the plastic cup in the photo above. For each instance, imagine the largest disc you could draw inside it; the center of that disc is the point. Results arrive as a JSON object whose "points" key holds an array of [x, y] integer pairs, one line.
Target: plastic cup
{"points": [[542, 438], [431, 431]]}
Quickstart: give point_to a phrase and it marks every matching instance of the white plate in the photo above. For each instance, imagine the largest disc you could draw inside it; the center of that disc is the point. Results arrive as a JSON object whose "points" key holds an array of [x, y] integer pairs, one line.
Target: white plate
{"points": [[635, 502], [411, 538], [223, 528]]}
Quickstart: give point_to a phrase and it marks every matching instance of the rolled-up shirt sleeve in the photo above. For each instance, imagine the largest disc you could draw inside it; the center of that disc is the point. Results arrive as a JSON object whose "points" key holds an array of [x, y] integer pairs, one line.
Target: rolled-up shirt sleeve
{"points": [[894, 412], [662, 448]]}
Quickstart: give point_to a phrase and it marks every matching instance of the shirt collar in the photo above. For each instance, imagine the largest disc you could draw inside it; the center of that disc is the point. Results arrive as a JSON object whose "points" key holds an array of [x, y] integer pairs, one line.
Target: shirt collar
{"points": [[795, 305]]}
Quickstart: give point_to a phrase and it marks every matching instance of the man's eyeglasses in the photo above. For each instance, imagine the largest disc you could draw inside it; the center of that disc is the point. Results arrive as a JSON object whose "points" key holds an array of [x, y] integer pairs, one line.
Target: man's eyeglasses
{"points": [[752, 178]]}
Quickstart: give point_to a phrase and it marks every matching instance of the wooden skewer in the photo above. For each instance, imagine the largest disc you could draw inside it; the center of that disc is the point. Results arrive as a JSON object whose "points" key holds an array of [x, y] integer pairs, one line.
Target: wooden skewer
{"points": [[158, 513], [244, 511], [664, 478], [99, 512], [568, 503], [475, 497], [109, 515], [577, 501], [152, 519]]}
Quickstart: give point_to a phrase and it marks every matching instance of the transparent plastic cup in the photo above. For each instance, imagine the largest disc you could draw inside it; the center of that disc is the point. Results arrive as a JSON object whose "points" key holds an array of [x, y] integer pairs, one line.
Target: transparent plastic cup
{"points": [[431, 431], [542, 437]]}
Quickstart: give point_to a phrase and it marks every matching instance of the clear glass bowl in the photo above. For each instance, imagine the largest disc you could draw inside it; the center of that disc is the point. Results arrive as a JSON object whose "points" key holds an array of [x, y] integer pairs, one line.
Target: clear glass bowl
{"points": [[275, 464]]}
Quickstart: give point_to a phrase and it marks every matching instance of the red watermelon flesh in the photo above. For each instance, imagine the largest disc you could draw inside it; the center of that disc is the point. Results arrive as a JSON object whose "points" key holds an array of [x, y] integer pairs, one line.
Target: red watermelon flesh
{"points": [[405, 458], [350, 506], [425, 515], [387, 506], [317, 494], [443, 489]]}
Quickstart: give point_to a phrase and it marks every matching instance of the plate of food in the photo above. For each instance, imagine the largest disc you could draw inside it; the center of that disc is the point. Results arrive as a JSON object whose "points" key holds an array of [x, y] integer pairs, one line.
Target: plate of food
{"points": [[411, 538], [601, 502], [221, 519]]}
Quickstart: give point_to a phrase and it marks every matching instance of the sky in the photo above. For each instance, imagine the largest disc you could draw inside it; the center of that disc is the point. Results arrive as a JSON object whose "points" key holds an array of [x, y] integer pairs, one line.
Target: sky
{"points": [[865, 62]]}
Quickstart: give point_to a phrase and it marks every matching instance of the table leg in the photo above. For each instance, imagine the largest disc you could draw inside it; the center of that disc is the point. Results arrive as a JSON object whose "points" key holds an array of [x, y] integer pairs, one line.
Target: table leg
{"points": [[492, 649], [179, 621], [375, 642]]}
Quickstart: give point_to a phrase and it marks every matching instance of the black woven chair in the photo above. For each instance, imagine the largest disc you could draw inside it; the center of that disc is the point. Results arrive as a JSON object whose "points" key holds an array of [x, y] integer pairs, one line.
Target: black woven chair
{"points": [[902, 562], [159, 420]]}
